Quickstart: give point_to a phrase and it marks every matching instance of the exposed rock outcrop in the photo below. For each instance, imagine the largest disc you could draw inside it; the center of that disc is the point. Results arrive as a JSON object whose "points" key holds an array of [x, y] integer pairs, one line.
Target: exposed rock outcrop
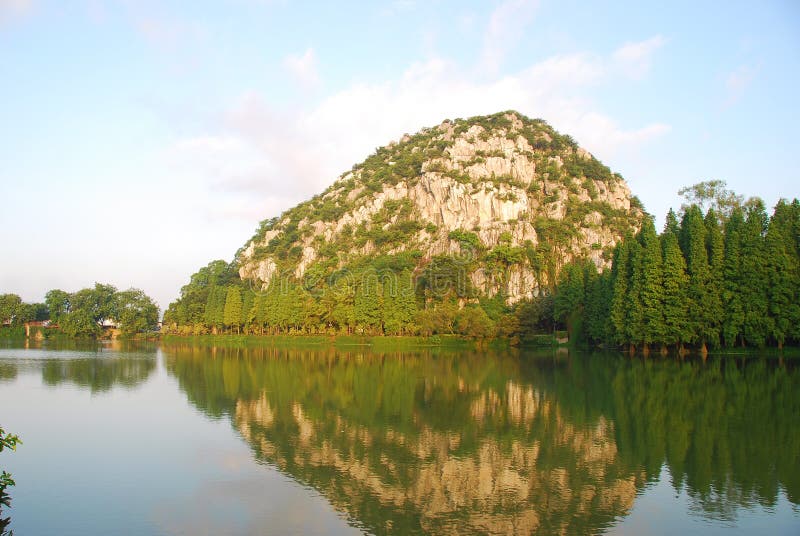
{"points": [[508, 194]]}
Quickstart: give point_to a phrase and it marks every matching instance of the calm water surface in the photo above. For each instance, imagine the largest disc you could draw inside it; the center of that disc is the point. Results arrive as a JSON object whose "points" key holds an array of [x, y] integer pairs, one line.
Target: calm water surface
{"points": [[182, 439]]}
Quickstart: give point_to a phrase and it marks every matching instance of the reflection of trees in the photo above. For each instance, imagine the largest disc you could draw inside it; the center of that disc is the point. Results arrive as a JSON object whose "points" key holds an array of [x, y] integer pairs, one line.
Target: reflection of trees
{"points": [[729, 432], [8, 371], [413, 442], [99, 374]]}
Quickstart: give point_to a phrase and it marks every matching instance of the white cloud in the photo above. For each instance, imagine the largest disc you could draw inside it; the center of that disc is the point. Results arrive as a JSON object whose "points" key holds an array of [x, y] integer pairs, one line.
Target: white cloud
{"points": [[303, 68], [738, 81], [11, 9], [635, 59], [398, 7], [506, 24], [264, 159]]}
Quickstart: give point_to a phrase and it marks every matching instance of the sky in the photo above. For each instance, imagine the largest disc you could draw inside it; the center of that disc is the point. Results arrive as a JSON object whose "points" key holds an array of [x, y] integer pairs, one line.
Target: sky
{"points": [[141, 139]]}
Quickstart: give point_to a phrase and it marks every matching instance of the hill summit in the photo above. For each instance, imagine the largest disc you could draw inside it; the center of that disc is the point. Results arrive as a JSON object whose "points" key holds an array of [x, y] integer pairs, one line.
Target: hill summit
{"points": [[505, 197]]}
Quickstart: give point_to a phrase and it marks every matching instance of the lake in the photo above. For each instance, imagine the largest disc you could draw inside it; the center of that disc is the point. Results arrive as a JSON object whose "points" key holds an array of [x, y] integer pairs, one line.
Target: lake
{"points": [[189, 439]]}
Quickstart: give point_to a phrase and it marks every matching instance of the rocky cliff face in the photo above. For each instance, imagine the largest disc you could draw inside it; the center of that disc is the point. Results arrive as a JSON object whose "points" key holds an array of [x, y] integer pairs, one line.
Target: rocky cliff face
{"points": [[509, 197]]}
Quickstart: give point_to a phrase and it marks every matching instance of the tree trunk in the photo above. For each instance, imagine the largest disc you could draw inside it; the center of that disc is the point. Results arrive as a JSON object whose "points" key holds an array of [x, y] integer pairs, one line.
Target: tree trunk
{"points": [[645, 350], [703, 350]]}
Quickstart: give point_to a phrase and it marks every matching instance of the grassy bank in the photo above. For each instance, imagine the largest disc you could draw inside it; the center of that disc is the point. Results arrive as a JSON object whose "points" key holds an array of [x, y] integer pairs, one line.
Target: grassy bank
{"points": [[376, 342]]}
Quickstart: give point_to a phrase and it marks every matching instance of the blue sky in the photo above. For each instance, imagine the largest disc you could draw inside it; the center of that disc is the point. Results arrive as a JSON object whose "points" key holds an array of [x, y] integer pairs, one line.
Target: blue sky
{"points": [[141, 139]]}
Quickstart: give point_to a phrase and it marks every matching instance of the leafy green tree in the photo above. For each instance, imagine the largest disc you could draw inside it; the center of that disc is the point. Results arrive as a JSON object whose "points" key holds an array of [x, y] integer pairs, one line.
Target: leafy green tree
{"points": [[58, 305], [7, 441], [472, 321], [535, 316], [711, 194], [136, 311], [80, 323], [9, 303]]}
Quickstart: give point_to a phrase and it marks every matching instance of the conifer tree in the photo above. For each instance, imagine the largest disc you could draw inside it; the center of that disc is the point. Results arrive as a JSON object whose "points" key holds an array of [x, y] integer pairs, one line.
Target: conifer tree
{"points": [[392, 323], [208, 312], [693, 233], [733, 321], [259, 312], [652, 289], [634, 322], [599, 296], [676, 299], [248, 297], [620, 280], [672, 225], [715, 246], [755, 275], [368, 305], [406, 302], [233, 308], [793, 238], [569, 298], [782, 267]]}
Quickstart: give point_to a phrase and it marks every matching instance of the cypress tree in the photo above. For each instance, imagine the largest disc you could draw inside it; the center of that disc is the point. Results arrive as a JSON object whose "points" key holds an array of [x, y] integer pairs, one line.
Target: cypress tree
{"points": [[248, 314], [569, 297], [733, 320], [754, 274], [781, 256], [693, 233], [406, 302], [715, 246], [620, 279], [208, 313], [793, 239], [368, 305], [389, 311], [634, 327], [259, 312], [676, 299], [232, 315], [652, 289], [672, 226], [598, 308]]}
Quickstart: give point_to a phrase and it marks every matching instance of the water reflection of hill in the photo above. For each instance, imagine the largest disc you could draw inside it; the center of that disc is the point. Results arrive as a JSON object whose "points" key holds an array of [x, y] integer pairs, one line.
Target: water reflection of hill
{"points": [[422, 442]]}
